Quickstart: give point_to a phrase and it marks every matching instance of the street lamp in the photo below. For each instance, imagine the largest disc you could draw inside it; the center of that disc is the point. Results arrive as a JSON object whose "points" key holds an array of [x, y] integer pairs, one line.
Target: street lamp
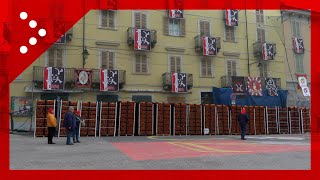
{"points": [[85, 55]]}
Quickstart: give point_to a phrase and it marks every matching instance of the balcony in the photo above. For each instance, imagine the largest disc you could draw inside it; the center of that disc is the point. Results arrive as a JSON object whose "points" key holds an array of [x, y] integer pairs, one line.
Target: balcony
{"points": [[226, 81], [70, 78], [167, 81], [130, 39], [257, 48], [199, 43]]}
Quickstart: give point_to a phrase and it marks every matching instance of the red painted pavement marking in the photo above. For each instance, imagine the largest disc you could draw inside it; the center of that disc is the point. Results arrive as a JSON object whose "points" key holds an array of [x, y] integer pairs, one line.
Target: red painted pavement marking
{"points": [[140, 151]]}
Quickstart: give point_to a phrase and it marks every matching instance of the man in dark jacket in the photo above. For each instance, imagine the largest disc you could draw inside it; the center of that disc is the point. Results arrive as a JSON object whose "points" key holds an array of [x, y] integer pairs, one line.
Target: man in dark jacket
{"points": [[69, 124], [243, 119]]}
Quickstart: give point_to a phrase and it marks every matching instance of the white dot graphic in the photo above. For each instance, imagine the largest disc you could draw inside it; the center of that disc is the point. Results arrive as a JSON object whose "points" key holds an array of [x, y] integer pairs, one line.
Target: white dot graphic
{"points": [[23, 15], [23, 49], [42, 32], [33, 24], [33, 41]]}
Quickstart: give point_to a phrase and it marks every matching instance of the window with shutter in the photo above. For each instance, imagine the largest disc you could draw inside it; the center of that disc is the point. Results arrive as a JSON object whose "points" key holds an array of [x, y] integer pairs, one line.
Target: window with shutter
{"points": [[107, 19], [141, 64], [55, 57], [175, 64], [204, 28], [261, 35], [299, 63], [295, 29], [259, 17], [206, 67], [231, 68], [229, 33], [107, 60], [140, 20]]}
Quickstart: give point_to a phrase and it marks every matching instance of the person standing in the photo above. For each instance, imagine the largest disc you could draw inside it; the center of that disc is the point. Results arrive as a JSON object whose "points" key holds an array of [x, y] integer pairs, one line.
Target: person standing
{"points": [[243, 119], [51, 124], [77, 129], [69, 124]]}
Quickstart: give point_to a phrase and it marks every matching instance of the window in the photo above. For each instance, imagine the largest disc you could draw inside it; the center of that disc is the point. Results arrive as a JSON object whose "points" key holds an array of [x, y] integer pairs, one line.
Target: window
{"points": [[107, 19], [55, 57], [204, 27], [264, 70], [139, 98], [259, 17], [175, 64], [206, 98], [231, 68], [107, 60], [261, 35], [230, 33], [299, 63], [140, 20], [141, 64], [206, 67], [174, 27], [296, 29]]}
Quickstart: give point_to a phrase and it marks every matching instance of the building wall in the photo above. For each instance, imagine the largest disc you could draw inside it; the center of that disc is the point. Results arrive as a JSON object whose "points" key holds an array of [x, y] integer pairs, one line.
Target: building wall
{"points": [[151, 83]]}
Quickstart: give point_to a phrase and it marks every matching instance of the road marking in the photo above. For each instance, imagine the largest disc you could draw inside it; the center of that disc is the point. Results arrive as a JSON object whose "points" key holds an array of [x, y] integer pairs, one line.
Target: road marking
{"points": [[200, 148], [279, 138]]}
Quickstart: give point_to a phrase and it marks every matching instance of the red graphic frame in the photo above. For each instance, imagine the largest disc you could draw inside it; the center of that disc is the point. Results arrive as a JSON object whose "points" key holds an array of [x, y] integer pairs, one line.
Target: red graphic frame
{"points": [[71, 12]]}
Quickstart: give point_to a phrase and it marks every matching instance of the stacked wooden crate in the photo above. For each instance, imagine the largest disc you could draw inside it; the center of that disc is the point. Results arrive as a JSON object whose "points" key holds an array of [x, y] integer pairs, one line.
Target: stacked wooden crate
{"points": [[127, 119], [210, 118], [89, 112], [272, 120], [260, 123], [305, 114], [146, 118], [294, 120], [195, 119], [283, 120], [223, 119], [41, 117], [234, 124], [251, 125], [108, 116], [180, 119], [163, 119]]}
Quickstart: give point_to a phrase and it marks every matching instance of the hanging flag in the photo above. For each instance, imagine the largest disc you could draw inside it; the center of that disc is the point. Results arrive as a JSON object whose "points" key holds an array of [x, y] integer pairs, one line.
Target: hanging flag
{"points": [[231, 17], [53, 78], [254, 86], [176, 13], [238, 85], [271, 87], [306, 91], [298, 45], [109, 80], [209, 46], [142, 39], [83, 78], [268, 51], [179, 82], [303, 78]]}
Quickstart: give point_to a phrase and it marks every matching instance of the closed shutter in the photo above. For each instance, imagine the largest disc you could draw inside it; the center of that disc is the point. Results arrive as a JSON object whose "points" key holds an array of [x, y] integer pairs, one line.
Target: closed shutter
{"points": [[111, 19], [229, 33], [175, 64], [51, 58], [172, 64], [137, 20], [234, 68], [259, 17], [59, 59], [261, 35], [144, 21], [209, 67], [111, 61], [165, 25], [182, 27], [104, 18], [204, 28], [178, 64], [144, 64], [138, 63], [104, 55]]}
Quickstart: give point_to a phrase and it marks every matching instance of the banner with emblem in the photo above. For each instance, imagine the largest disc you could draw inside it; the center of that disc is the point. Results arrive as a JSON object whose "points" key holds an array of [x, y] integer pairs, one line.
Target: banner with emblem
{"points": [[53, 78], [231, 17], [176, 14], [238, 85], [179, 82], [142, 39], [268, 51], [209, 46], [109, 80], [254, 86], [303, 84], [298, 45], [83, 78], [271, 87]]}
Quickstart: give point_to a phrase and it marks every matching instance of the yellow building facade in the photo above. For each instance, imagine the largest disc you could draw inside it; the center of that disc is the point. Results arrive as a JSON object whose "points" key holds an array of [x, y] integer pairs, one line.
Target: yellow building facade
{"points": [[106, 40]]}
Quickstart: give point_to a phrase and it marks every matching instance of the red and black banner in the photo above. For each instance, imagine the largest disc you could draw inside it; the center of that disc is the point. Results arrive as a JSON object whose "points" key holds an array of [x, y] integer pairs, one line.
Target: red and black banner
{"points": [[109, 80], [254, 86], [268, 51], [83, 78], [271, 87], [209, 46], [175, 13], [53, 78], [179, 82], [142, 39], [238, 85], [231, 17], [298, 45]]}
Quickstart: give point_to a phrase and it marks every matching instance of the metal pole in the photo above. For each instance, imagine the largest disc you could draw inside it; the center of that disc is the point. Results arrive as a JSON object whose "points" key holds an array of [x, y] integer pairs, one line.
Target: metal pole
{"points": [[83, 35], [245, 12]]}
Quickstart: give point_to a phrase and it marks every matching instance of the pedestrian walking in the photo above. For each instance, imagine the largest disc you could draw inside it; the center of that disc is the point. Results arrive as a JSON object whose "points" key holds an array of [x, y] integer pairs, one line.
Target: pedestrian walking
{"points": [[77, 129], [243, 119], [51, 125], [69, 124]]}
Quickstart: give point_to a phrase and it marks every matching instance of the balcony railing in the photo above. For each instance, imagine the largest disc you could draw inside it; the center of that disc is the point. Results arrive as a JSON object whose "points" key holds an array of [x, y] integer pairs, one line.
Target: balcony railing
{"points": [[199, 43], [167, 81], [130, 39], [70, 77], [257, 48], [226, 81]]}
